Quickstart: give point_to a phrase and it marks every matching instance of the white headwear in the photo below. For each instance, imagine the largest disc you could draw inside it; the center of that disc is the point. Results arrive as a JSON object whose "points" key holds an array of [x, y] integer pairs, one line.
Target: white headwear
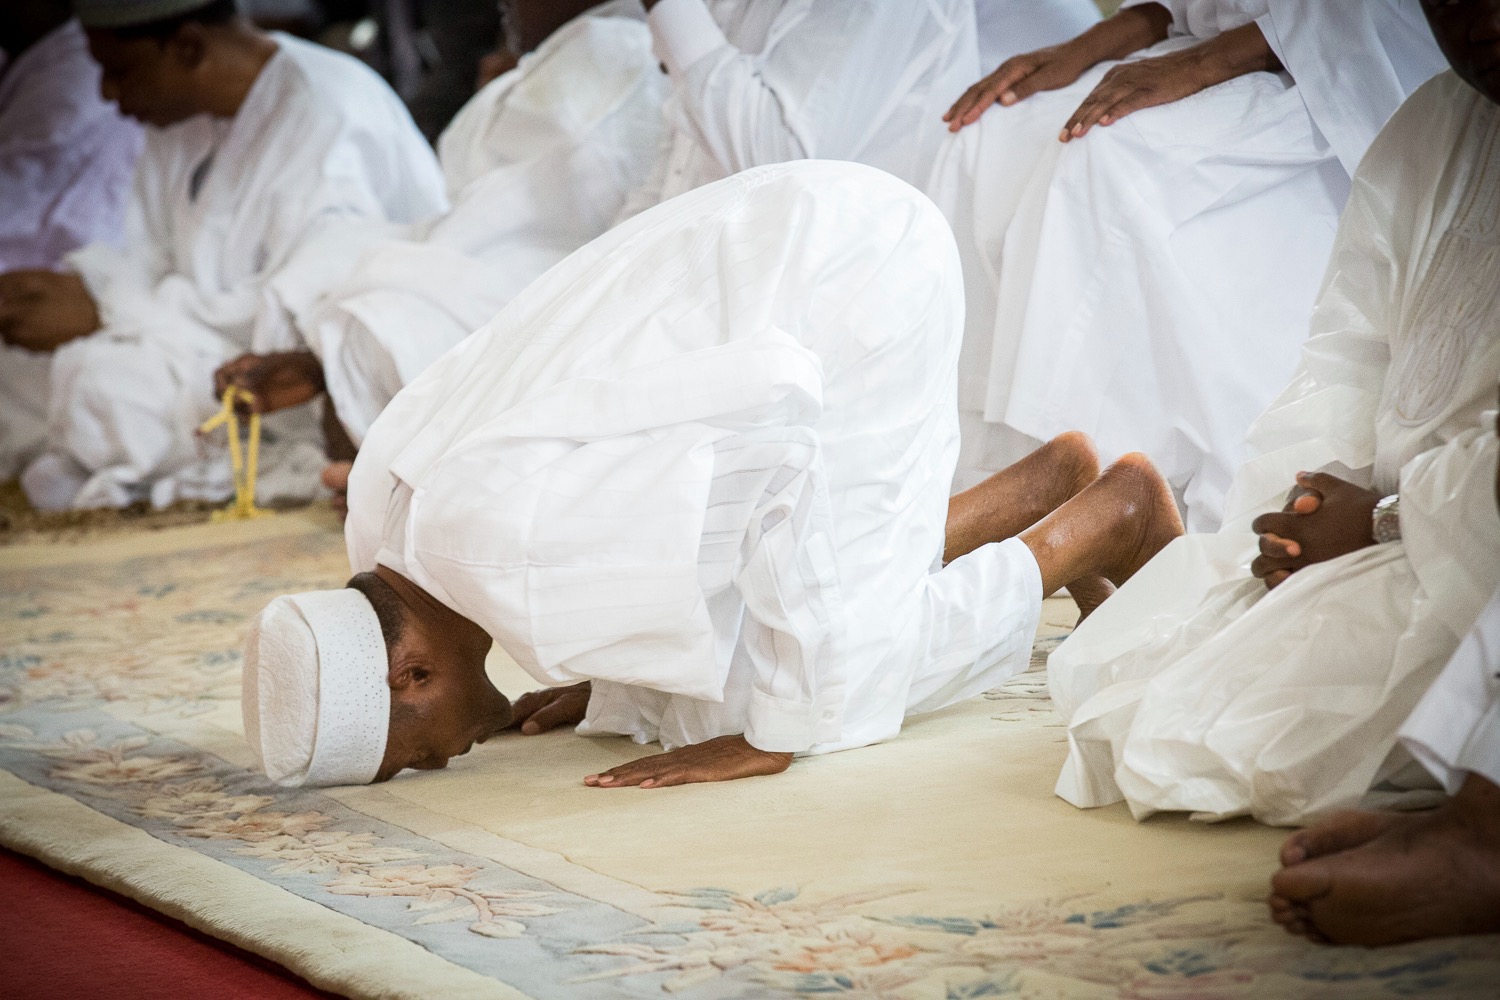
{"points": [[316, 703]]}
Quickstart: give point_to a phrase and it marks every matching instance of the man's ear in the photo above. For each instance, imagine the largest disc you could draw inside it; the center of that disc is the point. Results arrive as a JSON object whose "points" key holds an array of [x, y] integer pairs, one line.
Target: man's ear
{"points": [[189, 47]]}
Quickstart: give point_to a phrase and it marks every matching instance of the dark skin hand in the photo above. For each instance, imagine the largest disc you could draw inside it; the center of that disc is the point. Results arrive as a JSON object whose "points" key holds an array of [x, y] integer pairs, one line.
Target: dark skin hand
{"points": [[1056, 66], [42, 310], [277, 381], [1148, 83], [723, 759], [549, 708], [1326, 518]]}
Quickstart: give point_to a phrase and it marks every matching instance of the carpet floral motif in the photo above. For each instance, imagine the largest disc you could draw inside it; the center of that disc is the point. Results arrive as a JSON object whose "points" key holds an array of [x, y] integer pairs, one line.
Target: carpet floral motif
{"points": [[159, 638]]}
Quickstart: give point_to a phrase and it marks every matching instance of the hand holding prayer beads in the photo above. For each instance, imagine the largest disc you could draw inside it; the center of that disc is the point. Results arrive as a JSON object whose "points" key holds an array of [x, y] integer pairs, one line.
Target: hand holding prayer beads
{"points": [[243, 463], [271, 382]]}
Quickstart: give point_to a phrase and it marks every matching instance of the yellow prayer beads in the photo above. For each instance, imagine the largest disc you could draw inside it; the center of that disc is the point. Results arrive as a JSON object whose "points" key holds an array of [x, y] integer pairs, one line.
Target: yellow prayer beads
{"points": [[242, 462]]}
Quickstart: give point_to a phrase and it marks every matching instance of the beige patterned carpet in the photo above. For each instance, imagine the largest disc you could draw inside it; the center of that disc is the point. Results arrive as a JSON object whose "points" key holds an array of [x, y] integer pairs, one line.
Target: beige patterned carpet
{"points": [[935, 866]]}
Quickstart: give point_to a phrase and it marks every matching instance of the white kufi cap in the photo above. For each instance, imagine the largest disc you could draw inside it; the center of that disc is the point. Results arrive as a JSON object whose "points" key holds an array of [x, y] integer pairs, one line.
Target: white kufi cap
{"points": [[316, 703]]}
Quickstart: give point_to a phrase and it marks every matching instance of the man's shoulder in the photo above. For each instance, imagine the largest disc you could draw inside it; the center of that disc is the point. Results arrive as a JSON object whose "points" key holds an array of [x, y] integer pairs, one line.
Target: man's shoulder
{"points": [[324, 84]]}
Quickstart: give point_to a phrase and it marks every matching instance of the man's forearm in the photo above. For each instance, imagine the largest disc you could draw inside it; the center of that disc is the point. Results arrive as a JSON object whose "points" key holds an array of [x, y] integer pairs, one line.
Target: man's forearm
{"points": [[1237, 52], [1127, 32]]}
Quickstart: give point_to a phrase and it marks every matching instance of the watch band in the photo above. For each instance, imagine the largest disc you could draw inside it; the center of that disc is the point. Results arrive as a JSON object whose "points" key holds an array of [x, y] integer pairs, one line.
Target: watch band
{"points": [[1385, 520]]}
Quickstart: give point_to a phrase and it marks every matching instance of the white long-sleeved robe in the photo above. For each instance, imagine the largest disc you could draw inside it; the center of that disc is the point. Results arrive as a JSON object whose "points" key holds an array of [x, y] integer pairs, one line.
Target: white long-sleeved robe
{"points": [[767, 81], [704, 463], [1195, 689], [1455, 730], [537, 163], [1150, 283], [66, 159], [234, 227]]}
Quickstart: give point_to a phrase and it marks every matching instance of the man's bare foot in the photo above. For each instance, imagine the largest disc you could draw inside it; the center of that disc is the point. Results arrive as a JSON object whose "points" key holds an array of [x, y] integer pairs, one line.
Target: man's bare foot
{"points": [[1019, 496], [1088, 592], [1337, 832], [1111, 529], [1421, 876], [721, 759], [336, 478]]}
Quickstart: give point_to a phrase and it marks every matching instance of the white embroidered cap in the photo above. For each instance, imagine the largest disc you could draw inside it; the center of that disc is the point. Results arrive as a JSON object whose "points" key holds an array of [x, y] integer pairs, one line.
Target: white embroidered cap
{"points": [[315, 699]]}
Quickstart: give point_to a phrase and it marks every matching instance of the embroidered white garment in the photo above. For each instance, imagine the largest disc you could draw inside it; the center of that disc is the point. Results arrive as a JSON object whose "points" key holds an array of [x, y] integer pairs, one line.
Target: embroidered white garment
{"points": [[766, 81], [66, 158], [704, 462], [1195, 689], [537, 164], [234, 227], [1149, 284]]}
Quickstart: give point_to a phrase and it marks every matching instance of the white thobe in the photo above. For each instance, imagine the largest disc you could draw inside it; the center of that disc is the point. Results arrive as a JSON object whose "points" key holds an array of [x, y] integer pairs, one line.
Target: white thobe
{"points": [[537, 164], [1149, 284], [1455, 730], [234, 227], [1195, 689], [66, 158], [703, 462], [766, 81]]}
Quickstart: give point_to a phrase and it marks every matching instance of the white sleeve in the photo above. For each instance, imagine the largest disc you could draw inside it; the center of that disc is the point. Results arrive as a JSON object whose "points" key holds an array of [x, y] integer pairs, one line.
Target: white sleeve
{"points": [[1455, 729], [829, 74], [1449, 526], [790, 588]]}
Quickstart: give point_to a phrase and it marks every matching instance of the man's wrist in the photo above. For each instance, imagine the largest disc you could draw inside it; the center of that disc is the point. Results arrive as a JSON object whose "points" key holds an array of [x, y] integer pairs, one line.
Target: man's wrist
{"points": [[1385, 520], [1127, 32], [1236, 52]]}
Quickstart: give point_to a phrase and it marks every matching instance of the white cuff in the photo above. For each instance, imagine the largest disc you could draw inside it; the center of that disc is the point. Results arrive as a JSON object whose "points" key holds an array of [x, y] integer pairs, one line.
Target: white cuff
{"points": [[780, 725], [683, 31]]}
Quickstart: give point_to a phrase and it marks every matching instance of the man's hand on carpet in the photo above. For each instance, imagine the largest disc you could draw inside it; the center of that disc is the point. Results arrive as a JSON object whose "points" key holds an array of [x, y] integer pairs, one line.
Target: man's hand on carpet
{"points": [[549, 708], [721, 759], [278, 381], [1326, 517], [42, 310]]}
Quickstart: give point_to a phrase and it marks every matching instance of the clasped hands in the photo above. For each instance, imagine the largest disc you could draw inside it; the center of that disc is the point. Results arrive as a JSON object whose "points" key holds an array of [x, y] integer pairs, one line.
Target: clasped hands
{"points": [[722, 759], [1325, 517]]}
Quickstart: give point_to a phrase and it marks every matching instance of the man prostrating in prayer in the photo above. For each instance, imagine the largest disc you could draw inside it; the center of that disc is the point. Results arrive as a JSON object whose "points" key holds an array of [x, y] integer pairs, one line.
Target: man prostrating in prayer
{"points": [[701, 467]]}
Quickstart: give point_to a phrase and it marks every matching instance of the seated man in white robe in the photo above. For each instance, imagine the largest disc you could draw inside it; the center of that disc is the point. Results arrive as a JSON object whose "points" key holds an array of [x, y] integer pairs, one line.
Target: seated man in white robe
{"points": [[1147, 279], [269, 164], [1195, 688], [537, 164], [66, 158], [701, 466], [1377, 878]]}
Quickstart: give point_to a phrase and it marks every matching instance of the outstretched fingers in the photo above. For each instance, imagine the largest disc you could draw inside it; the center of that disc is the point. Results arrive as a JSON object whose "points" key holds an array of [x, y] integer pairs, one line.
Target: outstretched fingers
{"points": [[1000, 87]]}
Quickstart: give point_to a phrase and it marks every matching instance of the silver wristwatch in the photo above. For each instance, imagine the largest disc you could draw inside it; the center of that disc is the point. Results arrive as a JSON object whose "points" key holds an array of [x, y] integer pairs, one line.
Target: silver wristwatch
{"points": [[1385, 522]]}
